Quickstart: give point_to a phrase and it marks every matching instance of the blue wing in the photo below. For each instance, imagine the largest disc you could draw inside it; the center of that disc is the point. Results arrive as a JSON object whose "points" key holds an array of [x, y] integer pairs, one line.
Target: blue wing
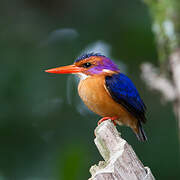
{"points": [[124, 92]]}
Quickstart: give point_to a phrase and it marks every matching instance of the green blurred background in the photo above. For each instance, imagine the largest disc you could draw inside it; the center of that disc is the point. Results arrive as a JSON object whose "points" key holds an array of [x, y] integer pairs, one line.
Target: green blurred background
{"points": [[45, 131]]}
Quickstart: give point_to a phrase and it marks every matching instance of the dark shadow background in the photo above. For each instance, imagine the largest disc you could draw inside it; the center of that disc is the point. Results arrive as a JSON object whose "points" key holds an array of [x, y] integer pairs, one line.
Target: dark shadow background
{"points": [[42, 137]]}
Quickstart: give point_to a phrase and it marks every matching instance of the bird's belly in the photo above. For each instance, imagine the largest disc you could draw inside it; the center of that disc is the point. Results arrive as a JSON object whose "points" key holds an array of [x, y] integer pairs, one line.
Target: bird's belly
{"points": [[94, 94]]}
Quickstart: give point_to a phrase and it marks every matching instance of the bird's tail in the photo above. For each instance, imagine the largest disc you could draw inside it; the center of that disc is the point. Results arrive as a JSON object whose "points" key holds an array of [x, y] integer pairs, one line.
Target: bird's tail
{"points": [[141, 135]]}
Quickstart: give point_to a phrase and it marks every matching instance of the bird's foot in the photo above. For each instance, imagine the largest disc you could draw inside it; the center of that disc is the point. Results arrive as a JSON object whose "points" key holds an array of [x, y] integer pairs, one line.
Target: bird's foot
{"points": [[106, 118]]}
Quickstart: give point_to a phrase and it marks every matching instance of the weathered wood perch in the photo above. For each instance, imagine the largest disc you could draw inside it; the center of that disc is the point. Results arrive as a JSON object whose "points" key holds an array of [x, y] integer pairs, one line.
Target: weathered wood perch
{"points": [[121, 162]]}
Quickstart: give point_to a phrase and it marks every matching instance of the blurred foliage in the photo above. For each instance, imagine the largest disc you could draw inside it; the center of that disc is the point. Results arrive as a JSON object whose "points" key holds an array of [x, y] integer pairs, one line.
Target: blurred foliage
{"points": [[166, 26], [41, 135]]}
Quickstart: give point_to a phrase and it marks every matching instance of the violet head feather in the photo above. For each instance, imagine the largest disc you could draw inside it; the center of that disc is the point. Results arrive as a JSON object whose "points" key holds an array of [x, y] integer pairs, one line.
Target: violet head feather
{"points": [[100, 63]]}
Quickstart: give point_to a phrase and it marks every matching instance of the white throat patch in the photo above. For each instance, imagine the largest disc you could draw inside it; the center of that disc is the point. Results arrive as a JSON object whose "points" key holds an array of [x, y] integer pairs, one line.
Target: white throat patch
{"points": [[82, 76]]}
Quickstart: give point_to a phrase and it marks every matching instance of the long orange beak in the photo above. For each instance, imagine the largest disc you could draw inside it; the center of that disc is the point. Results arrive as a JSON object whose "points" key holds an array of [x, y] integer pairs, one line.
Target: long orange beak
{"points": [[65, 70]]}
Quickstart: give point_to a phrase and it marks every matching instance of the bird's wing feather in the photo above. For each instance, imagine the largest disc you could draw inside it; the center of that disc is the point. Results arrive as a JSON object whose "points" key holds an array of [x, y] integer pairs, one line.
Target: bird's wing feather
{"points": [[124, 92]]}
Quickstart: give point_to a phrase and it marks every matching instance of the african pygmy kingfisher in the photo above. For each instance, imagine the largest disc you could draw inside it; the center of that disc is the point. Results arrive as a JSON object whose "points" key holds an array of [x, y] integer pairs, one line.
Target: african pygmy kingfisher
{"points": [[107, 92]]}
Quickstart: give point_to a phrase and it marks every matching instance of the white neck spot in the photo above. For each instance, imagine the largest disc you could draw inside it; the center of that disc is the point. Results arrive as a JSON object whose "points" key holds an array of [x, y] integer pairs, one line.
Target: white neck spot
{"points": [[106, 70]]}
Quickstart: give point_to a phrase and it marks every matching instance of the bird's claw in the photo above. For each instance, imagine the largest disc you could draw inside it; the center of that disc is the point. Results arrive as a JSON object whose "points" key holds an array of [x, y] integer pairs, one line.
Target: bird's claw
{"points": [[106, 118]]}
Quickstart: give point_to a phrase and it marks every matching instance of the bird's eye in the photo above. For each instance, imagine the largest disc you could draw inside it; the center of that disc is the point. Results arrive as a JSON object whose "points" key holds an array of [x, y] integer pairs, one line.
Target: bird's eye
{"points": [[86, 65]]}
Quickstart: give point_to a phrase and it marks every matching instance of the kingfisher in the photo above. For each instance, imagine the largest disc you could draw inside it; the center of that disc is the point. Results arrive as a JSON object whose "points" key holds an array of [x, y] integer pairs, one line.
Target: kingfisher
{"points": [[107, 92]]}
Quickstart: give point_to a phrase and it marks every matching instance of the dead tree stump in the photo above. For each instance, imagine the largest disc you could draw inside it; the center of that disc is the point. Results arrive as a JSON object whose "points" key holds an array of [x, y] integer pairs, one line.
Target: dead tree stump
{"points": [[121, 162]]}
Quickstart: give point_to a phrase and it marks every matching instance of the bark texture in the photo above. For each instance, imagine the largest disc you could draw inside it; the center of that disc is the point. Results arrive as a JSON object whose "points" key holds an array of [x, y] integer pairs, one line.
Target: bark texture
{"points": [[121, 162]]}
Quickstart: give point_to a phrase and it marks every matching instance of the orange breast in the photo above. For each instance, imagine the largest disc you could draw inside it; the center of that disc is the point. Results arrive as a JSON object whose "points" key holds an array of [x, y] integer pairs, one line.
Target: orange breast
{"points": [[93, 92]]}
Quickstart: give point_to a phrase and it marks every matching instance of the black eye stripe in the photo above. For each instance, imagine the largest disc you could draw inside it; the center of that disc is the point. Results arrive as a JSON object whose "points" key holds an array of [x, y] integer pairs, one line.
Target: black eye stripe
{"points": [[86, 65]]}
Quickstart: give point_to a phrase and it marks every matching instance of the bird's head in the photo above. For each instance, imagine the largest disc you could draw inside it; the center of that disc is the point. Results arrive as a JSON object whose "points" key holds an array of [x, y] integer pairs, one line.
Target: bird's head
{"points": [[88, 65]]}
